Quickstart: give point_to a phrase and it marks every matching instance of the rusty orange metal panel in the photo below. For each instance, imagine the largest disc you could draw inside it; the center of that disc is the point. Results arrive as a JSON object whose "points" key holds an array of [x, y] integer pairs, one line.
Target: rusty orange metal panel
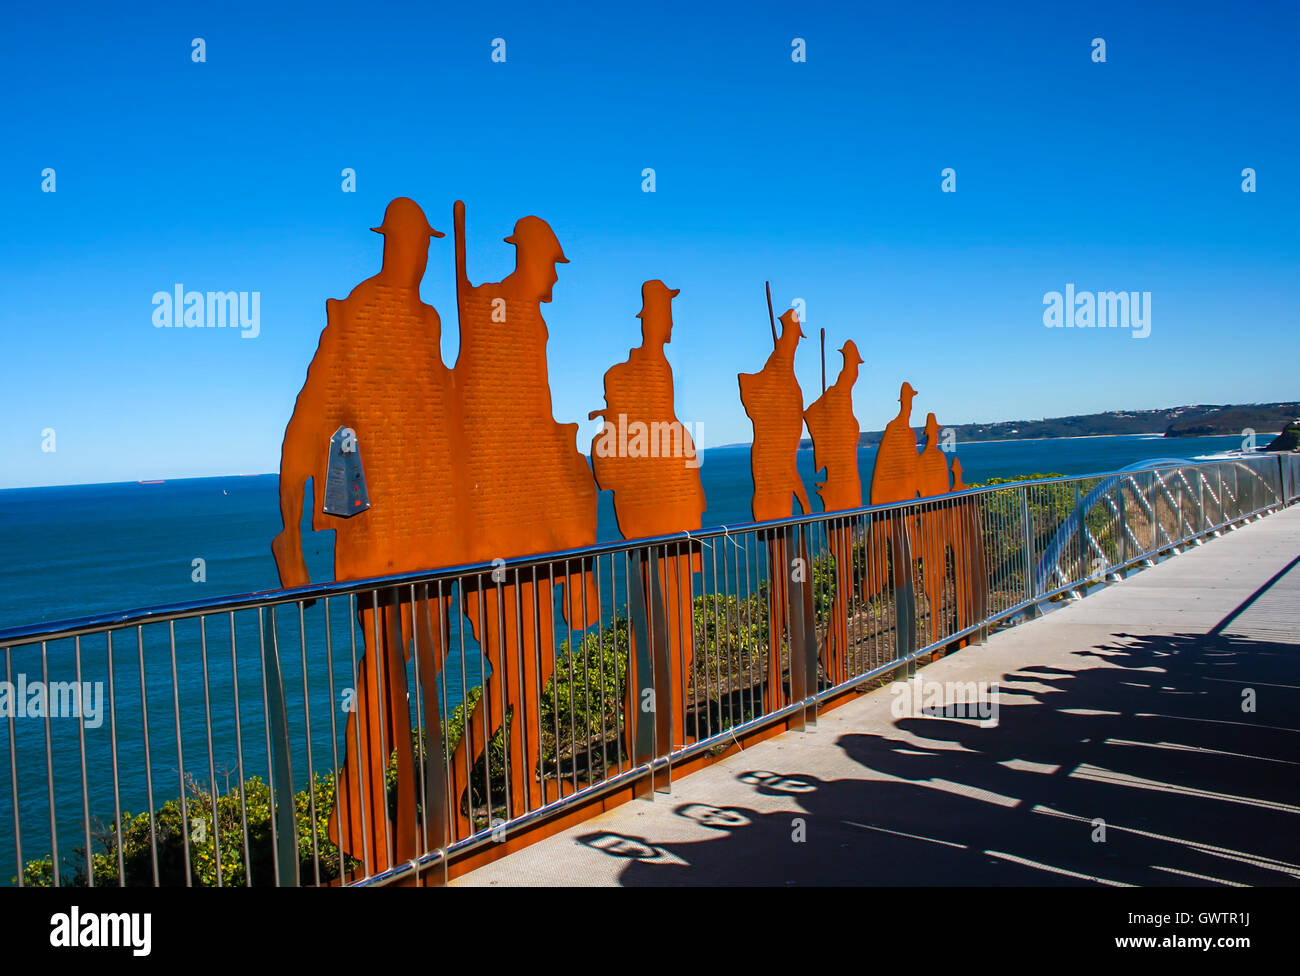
{"points": [[530, 491], [468, 464], [894, 478], [378, 373], [645, 455], [443, 452], [773, 402], [835, 435]]}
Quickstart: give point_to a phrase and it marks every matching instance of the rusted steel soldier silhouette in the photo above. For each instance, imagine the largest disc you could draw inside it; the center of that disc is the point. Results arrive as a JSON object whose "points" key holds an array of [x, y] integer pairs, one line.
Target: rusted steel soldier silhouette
{"points": [[935, 523], [957, 483], [933, 464], [896, 477], [531, 491], [835, 434], [773, 402], [656, 483], [378, 371]]}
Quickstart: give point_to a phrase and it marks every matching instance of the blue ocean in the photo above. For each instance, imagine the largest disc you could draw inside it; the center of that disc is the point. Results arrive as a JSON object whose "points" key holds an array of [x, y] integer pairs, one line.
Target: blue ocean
{"points": [[86, 549], [90, 549]]}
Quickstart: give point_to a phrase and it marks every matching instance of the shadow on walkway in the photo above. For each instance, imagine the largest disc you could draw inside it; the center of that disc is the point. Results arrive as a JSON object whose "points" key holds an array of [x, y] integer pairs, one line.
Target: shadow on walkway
{"points": [[1170, 760]]}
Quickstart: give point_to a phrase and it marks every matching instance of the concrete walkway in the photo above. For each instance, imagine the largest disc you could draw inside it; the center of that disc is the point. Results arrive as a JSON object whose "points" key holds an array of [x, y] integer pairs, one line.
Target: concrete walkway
{"points": [[1147, 735]]}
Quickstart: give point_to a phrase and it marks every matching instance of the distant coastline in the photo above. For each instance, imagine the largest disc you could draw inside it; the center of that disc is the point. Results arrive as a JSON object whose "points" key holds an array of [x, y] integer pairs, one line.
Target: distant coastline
{"points": [[1192, 420], [1069, 437], [806, 444]]}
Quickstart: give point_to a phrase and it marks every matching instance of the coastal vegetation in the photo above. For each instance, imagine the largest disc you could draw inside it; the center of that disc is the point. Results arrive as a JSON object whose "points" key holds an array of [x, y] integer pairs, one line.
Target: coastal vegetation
{"points": [[1288, 440]]}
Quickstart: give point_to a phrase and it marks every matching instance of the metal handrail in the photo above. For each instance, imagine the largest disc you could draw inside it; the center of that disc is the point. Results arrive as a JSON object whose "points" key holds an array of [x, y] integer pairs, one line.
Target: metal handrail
{"points": [[73, 626], [885, 585]]}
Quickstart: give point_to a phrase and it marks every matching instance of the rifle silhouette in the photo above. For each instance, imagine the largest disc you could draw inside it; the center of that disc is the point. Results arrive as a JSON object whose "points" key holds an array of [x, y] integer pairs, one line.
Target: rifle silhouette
{"points": [[823, 360], [458, 232]]}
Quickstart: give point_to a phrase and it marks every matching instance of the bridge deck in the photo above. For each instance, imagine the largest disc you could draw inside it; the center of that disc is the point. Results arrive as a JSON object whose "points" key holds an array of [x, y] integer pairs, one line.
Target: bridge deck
{"points": [[1128, 707]]}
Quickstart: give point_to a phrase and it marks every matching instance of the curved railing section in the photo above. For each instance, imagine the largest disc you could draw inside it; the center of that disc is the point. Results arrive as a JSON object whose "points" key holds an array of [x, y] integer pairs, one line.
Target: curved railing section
{"points": [[1154, 507]]}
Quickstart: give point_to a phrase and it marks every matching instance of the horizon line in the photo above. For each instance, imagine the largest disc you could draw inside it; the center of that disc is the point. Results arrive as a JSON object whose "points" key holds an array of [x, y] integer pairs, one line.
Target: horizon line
{"points": [[805, 444]]}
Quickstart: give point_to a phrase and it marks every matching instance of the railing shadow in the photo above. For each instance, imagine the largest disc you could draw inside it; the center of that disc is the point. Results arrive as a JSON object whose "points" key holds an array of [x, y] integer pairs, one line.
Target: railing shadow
{"points": [[1149, 769]]}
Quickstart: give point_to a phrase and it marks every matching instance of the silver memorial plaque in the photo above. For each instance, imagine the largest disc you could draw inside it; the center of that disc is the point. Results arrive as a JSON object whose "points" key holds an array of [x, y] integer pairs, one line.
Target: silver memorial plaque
{"points": [[345, 480]]}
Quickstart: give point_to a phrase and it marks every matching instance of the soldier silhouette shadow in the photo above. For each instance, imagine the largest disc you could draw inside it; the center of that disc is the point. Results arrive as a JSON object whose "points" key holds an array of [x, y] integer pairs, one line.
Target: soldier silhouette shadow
{"points": [[1144, 772]]}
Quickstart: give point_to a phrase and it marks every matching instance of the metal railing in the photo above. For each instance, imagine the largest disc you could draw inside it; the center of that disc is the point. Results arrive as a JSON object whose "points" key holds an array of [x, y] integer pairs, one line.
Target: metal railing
{"points": [[343, 733]]}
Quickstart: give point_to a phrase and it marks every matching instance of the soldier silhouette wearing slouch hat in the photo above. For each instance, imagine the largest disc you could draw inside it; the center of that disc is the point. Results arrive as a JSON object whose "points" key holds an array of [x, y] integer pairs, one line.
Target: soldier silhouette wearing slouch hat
{"points": [[896, 477], [530, 491], [646, 457], [378, 386]]}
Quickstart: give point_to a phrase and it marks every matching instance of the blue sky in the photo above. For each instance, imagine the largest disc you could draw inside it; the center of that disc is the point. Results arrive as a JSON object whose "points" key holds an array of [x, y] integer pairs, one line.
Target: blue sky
{"points": [[823, 176]]}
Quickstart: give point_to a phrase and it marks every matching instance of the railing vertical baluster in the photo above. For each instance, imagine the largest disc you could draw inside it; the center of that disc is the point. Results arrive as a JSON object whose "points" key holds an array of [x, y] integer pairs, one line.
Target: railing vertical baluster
{"points": [[754, 674], [731, 612], [421, 746], [49, 770], [573, 711], [537, 671], [378, 654], [212, 766], [721, 634], [555, 691], [467, 797], [587, 731], [703, 671], [180, 757], [1123, 526], [284, 826], [520, 719], [311, 768], [683, 599], [501, 668], [148, 759], [446, 798], [627, 731], [1028, 543], [1202, 522], [117, 792], [334, 730], [600, 657], [239, 754], [85, 784], [13, 772], [360, 774]]}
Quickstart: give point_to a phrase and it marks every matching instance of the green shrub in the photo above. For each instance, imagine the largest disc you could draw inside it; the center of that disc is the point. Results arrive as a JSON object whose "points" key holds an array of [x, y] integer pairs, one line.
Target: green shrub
{"points": [[140, 833]]}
